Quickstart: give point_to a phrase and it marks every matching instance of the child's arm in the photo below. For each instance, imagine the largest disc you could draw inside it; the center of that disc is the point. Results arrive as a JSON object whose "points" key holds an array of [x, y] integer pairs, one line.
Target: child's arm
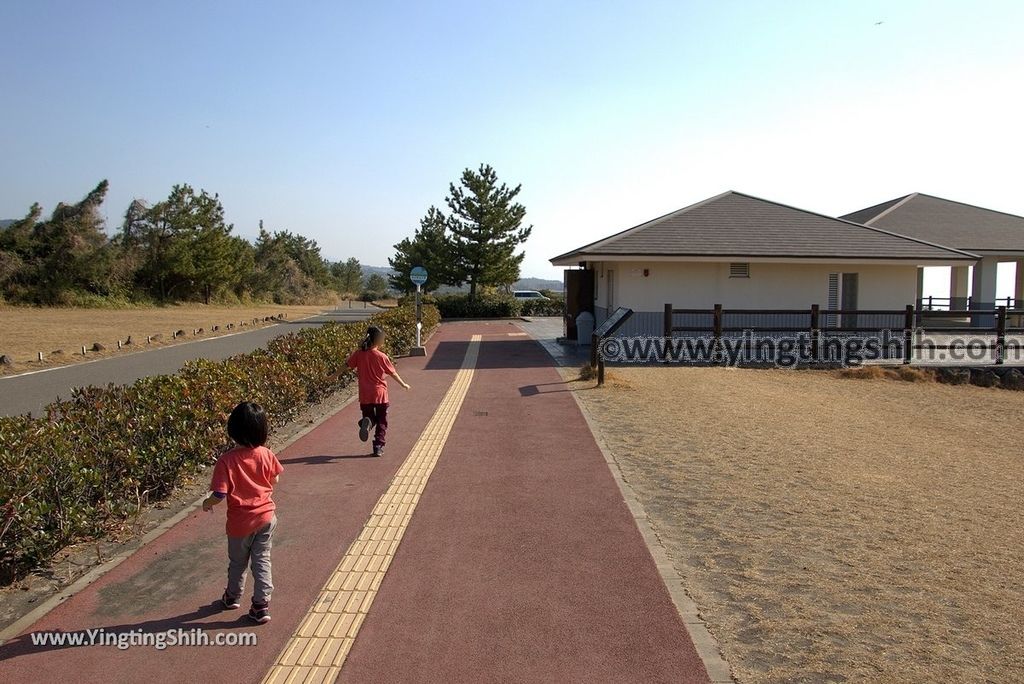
{"points": [[398, 377], [212, 500]]}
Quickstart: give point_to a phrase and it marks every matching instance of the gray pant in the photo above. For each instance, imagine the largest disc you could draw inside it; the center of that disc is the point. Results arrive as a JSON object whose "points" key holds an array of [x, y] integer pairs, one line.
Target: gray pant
{"points": [[253, 550]]}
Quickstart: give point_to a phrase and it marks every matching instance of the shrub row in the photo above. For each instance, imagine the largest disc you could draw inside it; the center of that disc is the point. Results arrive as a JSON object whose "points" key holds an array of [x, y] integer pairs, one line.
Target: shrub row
{"points": [[488, 305], [95, 459], [543, 307]]}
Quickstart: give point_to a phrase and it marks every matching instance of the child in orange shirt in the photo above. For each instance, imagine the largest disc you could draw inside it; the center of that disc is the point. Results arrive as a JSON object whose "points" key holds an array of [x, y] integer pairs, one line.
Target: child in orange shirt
{"points": [[373, 366], [245, 476]]}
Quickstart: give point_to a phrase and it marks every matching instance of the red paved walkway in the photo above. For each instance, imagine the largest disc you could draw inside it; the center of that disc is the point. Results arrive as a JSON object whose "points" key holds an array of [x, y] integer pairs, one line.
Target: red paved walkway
{"points": [[521, 561]]}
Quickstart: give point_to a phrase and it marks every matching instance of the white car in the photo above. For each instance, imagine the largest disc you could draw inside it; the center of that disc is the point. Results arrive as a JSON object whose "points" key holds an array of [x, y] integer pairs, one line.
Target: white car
{"points": [[528, 294]]}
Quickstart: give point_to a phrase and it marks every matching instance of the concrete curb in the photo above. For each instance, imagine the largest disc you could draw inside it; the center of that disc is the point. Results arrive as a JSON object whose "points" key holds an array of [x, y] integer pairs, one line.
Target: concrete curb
{"points": [[707, 646], [703, 640]]}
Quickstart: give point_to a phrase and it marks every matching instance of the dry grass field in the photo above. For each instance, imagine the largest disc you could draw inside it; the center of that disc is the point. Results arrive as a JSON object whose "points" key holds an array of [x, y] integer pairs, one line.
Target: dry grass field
{"points": [[25, 331], [831, 529]]}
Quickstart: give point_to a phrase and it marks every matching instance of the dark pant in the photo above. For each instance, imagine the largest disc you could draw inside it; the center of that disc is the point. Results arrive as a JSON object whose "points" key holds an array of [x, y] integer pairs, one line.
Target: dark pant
{"points": [[378, 415]]}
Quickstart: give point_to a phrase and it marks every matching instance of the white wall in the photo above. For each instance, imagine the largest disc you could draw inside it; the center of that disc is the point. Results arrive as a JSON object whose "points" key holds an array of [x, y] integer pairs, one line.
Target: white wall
{"points": [[701, 285]]}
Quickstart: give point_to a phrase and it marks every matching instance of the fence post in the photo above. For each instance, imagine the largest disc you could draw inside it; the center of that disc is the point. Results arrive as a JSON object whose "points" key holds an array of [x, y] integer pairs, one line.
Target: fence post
{"points": [[668, 320], [718, 331], [908, 335], [815, 331], [1001, 334]]}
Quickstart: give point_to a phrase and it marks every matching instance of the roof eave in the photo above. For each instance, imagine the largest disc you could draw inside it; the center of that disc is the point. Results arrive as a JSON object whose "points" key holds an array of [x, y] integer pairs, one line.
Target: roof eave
{"points": [[574, 258]]}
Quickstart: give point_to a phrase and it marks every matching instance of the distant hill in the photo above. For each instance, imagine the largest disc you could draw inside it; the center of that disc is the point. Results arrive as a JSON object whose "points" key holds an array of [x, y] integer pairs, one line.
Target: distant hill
{"points": [[380, 270], [521, 284], [538, 284], [7, 222]]}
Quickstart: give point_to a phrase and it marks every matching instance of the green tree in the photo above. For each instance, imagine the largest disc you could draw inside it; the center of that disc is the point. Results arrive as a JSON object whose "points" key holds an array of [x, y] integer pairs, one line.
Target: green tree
{"points": [[376, 287], [431, 248], [68, 249], [184, 246], [348, 275], [486, 230], [289, 267], [18, 250]]}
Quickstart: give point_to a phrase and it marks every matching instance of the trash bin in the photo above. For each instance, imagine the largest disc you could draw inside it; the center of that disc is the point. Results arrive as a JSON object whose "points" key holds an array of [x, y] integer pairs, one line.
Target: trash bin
{"points": [[584, 328]]}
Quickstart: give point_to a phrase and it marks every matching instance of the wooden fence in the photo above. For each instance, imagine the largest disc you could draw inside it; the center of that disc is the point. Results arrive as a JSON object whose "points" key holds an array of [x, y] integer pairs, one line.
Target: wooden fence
{"points": [[720, 322]]}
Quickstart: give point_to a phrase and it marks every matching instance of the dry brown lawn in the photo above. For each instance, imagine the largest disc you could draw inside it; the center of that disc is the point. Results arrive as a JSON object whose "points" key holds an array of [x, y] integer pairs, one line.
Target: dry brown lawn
{"points": [[833, 529], [25, 331]]}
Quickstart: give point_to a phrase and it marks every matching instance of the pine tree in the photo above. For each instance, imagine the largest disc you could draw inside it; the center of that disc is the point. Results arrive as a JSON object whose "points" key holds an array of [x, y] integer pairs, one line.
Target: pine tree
{"points": [[187, 248], [348, 275], [486, 228], [69, 251], [17, 252], [431, 248]]}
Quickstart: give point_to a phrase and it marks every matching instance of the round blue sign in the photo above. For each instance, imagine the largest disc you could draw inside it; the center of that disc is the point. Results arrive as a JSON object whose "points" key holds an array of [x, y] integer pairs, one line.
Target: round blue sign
{"points": [[418, 275]]}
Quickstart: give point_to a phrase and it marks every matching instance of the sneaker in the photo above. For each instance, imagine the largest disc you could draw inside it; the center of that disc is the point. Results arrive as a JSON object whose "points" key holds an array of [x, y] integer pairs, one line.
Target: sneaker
{"points": [[364, 429], [378, 451], [229, 601], [260, 613]]}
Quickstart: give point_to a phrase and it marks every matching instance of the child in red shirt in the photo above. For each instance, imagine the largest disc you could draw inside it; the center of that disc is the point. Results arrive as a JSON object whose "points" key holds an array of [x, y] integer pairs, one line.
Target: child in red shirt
{"points": [[245, 476], [373, 366]]}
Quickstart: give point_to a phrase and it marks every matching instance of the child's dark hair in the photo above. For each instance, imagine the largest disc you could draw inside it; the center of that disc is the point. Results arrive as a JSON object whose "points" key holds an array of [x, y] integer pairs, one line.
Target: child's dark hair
{"points": [[247, 425], [374, 335]]}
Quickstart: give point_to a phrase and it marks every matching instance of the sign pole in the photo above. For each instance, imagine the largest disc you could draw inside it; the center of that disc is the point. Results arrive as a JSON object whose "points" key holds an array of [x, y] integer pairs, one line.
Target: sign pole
{"points": [[419, 316], [418, 276]]}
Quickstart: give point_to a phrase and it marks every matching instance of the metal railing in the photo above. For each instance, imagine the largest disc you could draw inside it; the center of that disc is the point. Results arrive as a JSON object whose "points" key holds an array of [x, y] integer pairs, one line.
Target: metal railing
{"points": [[946, 303], [815, 322]]}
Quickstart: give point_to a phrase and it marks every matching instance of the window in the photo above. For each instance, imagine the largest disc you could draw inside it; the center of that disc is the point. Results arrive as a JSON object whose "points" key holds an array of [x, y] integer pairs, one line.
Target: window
{"points": [[738, 270], [833, 291], [833, 300]]}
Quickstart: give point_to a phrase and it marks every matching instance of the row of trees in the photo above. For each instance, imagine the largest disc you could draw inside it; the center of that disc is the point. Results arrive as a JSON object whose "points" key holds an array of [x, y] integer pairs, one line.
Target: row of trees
{"points": [[474, 243], [179, 249]]}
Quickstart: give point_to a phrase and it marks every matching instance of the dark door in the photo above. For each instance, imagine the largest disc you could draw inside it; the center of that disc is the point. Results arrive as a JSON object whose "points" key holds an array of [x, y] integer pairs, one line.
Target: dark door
{"points": [[579, 297], [849, 302]]}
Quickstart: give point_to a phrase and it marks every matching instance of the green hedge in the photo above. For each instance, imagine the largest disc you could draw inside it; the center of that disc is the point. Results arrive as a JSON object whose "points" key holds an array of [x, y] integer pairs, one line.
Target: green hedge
{"points": [[490, 305], [543, 307], [97, 457], [486, 306]]}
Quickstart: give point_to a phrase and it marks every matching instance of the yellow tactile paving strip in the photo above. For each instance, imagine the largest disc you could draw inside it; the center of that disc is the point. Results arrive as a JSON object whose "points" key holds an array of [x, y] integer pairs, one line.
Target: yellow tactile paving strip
{"points": [[318, 648]]}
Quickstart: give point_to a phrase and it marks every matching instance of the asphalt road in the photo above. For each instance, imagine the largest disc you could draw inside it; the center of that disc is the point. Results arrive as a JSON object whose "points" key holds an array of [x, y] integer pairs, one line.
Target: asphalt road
{"points": [[31, 392]]}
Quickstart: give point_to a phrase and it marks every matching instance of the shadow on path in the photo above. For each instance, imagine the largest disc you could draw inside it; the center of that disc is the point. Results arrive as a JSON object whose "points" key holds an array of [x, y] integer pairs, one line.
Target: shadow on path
{"points": [[326, 458], [533, 390], [521, 353], [233, 619]]}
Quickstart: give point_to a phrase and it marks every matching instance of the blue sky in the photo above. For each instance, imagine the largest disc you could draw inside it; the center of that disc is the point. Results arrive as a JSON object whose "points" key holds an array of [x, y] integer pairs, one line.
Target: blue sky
{"points": [[346, 121]]}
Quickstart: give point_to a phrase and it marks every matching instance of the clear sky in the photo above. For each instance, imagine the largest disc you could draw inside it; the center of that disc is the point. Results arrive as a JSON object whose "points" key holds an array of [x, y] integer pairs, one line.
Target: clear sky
{"points": [[345, 121]]}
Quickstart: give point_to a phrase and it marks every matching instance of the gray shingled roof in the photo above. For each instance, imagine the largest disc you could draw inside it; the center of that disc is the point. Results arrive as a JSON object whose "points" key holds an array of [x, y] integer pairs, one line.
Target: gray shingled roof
{"points": [[958, 225], [736, 225]]}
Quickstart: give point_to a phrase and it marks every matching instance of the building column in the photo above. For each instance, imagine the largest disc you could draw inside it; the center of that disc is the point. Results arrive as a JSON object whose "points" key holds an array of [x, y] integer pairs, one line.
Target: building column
{"points": [[1018, 286], [920, 287], [983, 290], [958, 279]]}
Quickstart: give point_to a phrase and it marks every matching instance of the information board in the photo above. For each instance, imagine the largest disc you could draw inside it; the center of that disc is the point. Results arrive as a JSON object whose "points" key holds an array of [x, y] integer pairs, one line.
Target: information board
{"points": [[614, 322]]}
